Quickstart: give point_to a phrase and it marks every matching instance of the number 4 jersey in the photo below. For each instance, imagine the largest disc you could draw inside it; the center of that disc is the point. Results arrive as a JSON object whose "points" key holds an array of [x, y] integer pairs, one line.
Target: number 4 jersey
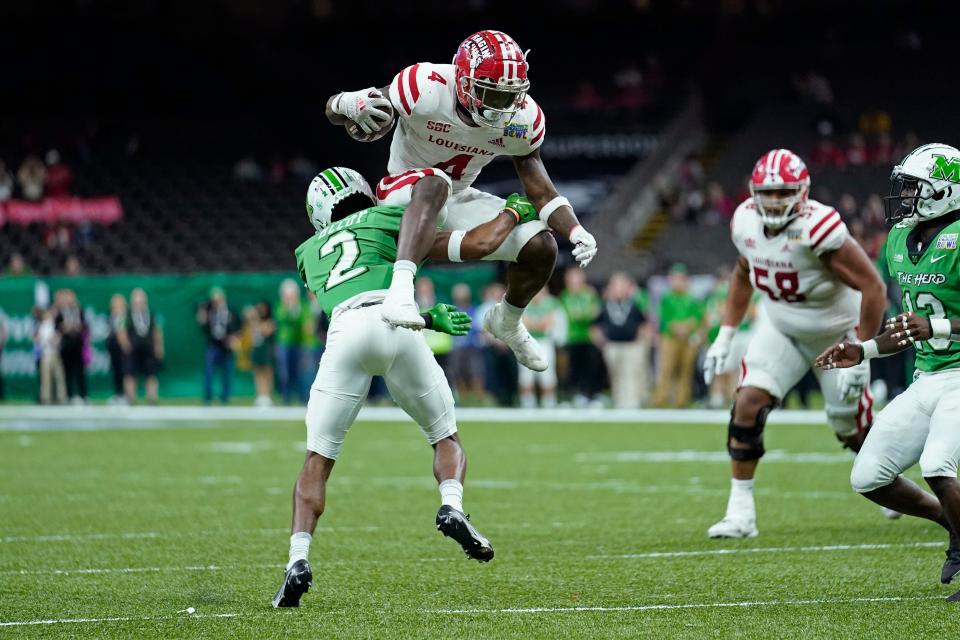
{"points": [[351, 256], [430, 133], [801, 297], [930, 286]]}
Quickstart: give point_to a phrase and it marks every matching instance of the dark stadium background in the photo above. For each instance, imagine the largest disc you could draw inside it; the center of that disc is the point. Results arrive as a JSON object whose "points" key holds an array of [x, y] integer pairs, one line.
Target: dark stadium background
{"points": [[156, 103]]}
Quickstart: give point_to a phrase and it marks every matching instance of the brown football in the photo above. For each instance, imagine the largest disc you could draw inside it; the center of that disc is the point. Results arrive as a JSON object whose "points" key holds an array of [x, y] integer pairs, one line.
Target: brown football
{"points": [[355, 132]]}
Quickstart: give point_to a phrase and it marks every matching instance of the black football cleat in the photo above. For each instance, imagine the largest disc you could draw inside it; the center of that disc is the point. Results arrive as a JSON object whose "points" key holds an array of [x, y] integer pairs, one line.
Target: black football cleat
{"points": [[954, 598], [951, 566], [296, 582], [455, 524]]}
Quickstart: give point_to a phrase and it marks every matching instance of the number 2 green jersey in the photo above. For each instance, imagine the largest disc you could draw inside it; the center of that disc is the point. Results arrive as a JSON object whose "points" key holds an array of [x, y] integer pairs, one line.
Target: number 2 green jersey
{"points": [[930, 287], [351, 256]]}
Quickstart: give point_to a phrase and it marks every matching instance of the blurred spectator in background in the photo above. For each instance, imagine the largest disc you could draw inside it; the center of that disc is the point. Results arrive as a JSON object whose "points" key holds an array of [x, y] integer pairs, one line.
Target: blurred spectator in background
{"points": [[857, 154], [724, 385], [46, 345], [587, 98], [499, 365], [882, 152], [581, 304], [4, 334], [6, 182], [718, 208], [262, 333], [314, 340], [72, 328], [541, 319], [680, 316], [466, 360], [290, 317], [220, 325], [146, 349], [440, 343], [118, 346], [59, 177], [71, 266], [17, 267], [618, 333], [31, 175], [248, 169], [827, 154]]}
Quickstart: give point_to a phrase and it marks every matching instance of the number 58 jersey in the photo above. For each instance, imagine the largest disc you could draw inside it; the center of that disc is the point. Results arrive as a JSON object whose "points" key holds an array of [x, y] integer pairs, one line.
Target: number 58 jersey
{"points": [[801, 297]]}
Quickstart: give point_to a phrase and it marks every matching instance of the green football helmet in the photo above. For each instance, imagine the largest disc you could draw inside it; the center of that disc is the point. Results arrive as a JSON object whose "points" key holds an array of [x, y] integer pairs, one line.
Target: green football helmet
{"points": [[925, 185], [331, 187]]}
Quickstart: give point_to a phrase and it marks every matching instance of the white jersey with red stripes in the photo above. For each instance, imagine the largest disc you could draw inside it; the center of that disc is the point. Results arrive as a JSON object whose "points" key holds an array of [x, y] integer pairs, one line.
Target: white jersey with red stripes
{"points": [[430, 133], [803, 299]]}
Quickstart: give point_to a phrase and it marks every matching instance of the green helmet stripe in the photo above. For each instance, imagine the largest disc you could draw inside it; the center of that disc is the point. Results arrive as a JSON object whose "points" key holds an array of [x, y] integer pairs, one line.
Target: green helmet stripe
{"points": [[336, 172], [326, 181], [331, 176]]}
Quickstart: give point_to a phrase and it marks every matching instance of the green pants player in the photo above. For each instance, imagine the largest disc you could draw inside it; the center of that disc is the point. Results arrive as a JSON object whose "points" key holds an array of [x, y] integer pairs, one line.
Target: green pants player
{"points": [[348, 264], [920, 425]]}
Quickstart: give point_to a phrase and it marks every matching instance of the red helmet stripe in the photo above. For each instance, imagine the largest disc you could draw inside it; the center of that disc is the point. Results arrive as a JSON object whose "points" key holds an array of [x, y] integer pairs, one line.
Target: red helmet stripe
{"points": [[538, 119]]}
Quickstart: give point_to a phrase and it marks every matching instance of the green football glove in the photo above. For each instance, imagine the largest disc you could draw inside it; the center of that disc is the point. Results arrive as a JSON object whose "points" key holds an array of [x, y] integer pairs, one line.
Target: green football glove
{"points": [[523, 207], [446, 319]]}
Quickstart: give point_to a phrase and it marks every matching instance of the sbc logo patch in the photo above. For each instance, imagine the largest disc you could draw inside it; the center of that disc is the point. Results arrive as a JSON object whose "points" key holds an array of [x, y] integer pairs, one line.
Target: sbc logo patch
{"points": [[947, 241]]}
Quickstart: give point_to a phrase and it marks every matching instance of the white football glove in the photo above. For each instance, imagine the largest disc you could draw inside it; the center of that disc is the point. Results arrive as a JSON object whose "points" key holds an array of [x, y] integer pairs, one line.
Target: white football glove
{"points": [[584, 246], [364, 108], [716, 359], [853, 380]]}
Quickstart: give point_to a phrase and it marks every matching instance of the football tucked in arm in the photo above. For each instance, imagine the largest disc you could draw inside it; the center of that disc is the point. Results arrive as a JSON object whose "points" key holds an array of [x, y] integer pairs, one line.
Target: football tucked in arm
{"points": [[355, 132]]}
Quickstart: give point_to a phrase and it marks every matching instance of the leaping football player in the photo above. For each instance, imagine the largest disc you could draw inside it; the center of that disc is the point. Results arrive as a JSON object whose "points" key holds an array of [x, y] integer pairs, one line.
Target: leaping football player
{"points": [[820, 288], [455, 119], [348, 264], [920, 424]]}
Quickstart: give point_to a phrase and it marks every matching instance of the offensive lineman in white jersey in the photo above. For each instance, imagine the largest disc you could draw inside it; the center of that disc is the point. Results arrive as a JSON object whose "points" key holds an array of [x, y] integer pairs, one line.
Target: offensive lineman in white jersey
{"points": [[456, 118], [821, 288]]}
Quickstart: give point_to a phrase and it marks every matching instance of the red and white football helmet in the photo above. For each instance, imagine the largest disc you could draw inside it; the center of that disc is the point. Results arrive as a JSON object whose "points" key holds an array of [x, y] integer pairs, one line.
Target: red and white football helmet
{"points": [[491, 77], [780, 185]]}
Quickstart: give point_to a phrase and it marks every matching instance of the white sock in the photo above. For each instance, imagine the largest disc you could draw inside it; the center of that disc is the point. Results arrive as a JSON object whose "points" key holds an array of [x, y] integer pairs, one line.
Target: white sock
{"points": [[741, 499], [402, 283], [511, 312], [548, 401], [528, 400], [451, 494], [299, 547]]}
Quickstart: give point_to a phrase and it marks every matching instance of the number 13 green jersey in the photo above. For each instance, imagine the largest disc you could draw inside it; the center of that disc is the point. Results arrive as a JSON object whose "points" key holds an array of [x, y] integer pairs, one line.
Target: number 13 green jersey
{"points": [[351, 256], [930, 287]]}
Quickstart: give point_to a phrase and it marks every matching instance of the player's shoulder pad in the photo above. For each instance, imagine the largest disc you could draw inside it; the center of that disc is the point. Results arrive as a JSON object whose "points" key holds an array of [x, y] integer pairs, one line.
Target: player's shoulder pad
{"points": [[742, 215], [421, 88], [526, 130], [823, 226]]}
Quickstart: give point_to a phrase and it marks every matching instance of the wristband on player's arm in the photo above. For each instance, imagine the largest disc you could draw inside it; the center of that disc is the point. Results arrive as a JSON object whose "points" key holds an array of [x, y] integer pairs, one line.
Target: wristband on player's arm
{"points": [[552, 206], [870, 350], [427, 320], [940, 328]]}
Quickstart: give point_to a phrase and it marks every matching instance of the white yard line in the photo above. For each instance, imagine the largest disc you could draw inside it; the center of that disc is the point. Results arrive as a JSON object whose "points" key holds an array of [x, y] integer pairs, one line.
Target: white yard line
{"points": [[719, 456], [667, 607], [22, 623], [107, 570], [725, 552], [99, 418]]}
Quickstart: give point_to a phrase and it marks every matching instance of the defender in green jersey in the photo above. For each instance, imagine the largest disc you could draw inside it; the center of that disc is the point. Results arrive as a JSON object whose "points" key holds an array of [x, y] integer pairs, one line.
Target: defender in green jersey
{"points": [[921, 424], [348, 264]]}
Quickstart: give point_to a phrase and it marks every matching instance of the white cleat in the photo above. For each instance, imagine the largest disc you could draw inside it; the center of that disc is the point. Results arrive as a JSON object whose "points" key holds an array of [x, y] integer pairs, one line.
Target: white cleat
{"points": [[734, 528], [515, 336], [401, 313], [890, 514]]}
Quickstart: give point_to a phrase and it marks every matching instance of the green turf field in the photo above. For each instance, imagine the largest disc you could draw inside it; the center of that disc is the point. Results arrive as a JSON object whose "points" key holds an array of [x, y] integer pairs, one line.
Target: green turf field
{"points": [[599, 531]]}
